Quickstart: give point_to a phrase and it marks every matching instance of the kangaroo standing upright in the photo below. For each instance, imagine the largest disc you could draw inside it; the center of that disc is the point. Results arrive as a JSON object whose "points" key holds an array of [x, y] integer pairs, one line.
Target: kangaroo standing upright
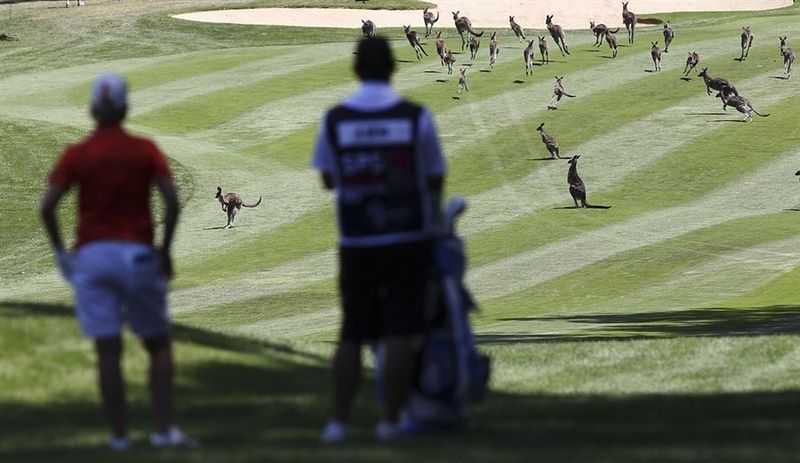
{"points": [[558, 92], [655, 53], [577, 189], [231, 203], [474, 45], [494, 49], [691, 62], [747, 42], [740, 103], [413, 39], [368, 28], [788, 57], [669, 34], [449, 59], [527, 54], [557, 32], [543, 53], [440, 46], [612, 42], [464, 25], [517, 29], [629, 19], [716, 83], [549, 142], [427, 16]]}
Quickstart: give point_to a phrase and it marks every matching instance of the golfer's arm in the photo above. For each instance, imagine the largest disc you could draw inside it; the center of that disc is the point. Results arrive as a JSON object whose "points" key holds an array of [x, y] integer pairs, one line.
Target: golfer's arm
{"points": [[48, 213], [170, 196]]}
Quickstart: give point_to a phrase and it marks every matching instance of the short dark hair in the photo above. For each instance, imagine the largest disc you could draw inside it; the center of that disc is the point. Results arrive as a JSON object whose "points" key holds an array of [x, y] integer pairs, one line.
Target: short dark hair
{"points": [[374, 59], [107, 114]]}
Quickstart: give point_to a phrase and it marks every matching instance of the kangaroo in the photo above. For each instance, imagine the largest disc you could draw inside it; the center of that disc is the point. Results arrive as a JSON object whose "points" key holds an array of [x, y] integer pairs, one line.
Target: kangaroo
{"points": [[612, 42], [577, 189], [629, 19], [788, 57], [747, 42], [716, 83], [517, 29], [231, 203], [449, 59], [599, 31], [549, 142], [669, 34], [543, 53], [368, 28], [427, 16], [413, 39], [558, 93], [741, 103], [655, 53], [494, 50], [463, 25], [440, 47], [462, 80], [527, 54], [691, 62], [557, 32], [474, 45]]}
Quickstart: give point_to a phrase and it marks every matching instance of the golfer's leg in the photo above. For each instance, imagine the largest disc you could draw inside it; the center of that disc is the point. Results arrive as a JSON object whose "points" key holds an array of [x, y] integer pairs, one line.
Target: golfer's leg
{"points": [[346, 378], [397, 374], [112, 389], [162, 372]]}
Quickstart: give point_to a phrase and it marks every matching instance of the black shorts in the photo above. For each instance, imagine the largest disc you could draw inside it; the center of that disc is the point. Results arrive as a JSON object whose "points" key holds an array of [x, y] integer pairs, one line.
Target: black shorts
{"points": [[386, 291]]}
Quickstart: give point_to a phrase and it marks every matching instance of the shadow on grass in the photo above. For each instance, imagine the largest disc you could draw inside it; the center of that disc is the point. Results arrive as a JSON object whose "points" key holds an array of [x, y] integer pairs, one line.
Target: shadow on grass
{"points": [[707, 322]]}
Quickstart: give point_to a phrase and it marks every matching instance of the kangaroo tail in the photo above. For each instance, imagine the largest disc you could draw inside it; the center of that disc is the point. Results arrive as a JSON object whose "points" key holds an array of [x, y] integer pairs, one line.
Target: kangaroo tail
{"points": [[253, 205], [437, 17], [567, 94], [762, 115], [614, 31], [473, 32]]}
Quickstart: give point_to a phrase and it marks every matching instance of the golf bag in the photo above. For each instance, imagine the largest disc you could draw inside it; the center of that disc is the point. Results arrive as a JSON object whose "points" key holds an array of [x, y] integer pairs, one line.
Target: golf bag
{"points": [[451, 373]]}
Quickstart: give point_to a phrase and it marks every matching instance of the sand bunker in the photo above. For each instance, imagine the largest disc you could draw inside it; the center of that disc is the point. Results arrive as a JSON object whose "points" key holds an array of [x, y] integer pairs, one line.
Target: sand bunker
{"points": [[572, 14]]}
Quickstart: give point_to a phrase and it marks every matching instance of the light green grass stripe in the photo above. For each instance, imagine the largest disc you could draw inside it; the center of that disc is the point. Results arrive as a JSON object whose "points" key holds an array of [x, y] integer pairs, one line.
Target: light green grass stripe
{"points": [[293, 327], [726, 276], [608, 159], [749, 196]]}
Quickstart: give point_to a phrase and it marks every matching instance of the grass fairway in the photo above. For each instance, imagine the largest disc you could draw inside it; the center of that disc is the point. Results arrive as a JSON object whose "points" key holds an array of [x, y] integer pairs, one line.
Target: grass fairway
{"points": [[663, 329]]}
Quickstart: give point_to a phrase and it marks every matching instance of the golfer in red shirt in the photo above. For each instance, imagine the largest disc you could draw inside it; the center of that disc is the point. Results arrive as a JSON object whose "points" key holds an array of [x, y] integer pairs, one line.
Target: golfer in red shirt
{"points": [[115, 271]]}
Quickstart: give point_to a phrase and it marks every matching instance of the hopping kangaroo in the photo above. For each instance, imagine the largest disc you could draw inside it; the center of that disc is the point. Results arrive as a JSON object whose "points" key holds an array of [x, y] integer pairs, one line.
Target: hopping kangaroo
{"points": [[599, 32], [691, 62], [558, 92], [231, 203], [427, 16], [440, 48], [464, 25], [612, 42], [549, 142], [517, 29], [413, 39], [494, 50], [474, 45], [741, 103], [716, 83], [462, 80], [368, 28], [449, 59], [629, 19], [669, 34], [543, 53], [527, 54], [557, 32], [788, 57], [747, 42], [655, 53]]}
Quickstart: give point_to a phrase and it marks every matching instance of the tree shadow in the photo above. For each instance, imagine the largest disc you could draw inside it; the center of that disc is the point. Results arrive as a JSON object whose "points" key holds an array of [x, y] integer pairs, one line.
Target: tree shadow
{"points": [[705, 322]]}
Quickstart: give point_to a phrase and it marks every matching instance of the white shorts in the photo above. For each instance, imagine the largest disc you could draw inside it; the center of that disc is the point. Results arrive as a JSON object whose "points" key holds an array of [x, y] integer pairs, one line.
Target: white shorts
{"points": [[115, 280]]}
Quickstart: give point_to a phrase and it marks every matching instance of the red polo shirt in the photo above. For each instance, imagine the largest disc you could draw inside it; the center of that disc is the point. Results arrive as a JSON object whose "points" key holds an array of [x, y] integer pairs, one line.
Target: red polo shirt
{"points": [[114, 172]]}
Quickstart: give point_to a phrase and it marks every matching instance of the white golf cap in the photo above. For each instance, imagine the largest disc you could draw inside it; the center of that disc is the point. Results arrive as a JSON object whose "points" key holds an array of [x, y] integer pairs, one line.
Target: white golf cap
{"points": [[110, 90]]}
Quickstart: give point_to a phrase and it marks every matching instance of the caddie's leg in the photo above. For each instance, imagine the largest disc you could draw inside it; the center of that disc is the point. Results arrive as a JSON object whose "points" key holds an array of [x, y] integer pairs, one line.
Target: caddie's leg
{"points": [[162, 372], [346, 378], [112, 388], [397, 374]]}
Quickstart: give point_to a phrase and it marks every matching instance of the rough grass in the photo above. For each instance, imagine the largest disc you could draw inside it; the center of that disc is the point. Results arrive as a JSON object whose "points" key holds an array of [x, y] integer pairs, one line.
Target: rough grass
{"points": [[662, 329]]}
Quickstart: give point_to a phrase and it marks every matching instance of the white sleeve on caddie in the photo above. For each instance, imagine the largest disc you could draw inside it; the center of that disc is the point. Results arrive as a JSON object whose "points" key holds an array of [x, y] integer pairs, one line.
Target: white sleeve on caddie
{"points": [[428, 145], [323, 157]]}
